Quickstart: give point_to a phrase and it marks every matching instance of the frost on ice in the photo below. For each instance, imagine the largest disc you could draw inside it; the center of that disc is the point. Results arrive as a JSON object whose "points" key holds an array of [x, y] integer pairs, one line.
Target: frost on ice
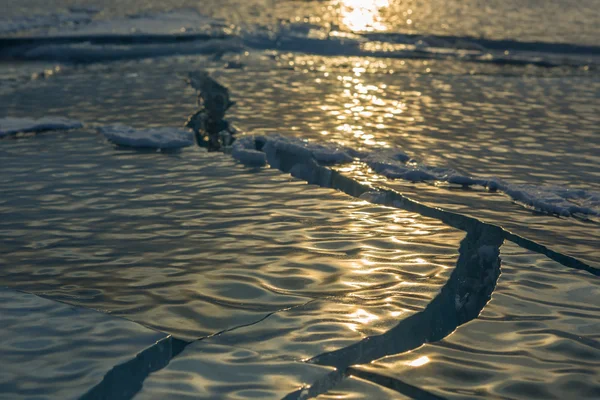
{"points": [[154, 138], [10, 125]]}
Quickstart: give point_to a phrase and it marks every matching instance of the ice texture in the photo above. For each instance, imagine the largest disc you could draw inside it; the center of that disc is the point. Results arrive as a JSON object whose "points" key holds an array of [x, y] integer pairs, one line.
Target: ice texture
{"points": [[325, 153], [558, 200], [11, 125], [76, 16], [396, 164], [171, 22], [551, 199], [156, 138], [152, 29], [399, 165], [244, 150]]}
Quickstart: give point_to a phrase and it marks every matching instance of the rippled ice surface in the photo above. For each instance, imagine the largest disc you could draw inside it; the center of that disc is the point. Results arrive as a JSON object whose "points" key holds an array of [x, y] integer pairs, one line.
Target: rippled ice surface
{"points": [[193, 244], [537, 129], [544, 334]]}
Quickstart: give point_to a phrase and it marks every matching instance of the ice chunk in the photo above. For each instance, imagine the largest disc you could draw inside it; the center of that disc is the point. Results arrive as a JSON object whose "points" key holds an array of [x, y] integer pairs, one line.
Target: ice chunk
{"points": [[10, 125], [244, 150], [156, 138], [326, 153]]}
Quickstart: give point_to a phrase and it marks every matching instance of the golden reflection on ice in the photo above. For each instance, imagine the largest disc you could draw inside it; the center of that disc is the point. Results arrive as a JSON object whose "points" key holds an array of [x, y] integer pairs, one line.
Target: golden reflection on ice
{"points": [[419, 362], [361, 106], [363, 15], [361, 317]]}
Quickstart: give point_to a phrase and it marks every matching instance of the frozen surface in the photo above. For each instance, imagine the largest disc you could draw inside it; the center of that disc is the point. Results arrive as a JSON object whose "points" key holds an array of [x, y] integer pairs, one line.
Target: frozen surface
{"points": [[549, 199], [396, 164], [156, 138], [245, 150], [209, 371], [12, 125], [192, 243], [510, 19], [196, 244], [51, 350], [172, 22], [25, 23], [537, 338]]}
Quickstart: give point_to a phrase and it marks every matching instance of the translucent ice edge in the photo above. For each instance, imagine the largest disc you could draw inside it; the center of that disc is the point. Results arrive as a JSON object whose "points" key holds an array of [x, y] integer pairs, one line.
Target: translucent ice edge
{"points": [[258, 151], [11, 125], [156, 138]]}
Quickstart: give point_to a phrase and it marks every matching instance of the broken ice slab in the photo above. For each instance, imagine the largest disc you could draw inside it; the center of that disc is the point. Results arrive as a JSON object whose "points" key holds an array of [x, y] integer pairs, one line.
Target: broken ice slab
{"points": [[50, 350], [208, 371], [537, 338]]}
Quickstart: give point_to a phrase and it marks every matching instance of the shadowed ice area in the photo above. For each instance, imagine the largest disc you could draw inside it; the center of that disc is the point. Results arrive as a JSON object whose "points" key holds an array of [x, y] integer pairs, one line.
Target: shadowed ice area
{"points": [[52, 350]]}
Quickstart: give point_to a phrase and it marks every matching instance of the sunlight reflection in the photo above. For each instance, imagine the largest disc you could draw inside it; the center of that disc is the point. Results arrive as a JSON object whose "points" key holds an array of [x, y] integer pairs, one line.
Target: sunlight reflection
{"points": [[419, 361], [363, 317], [363, 15], [360, 107]]}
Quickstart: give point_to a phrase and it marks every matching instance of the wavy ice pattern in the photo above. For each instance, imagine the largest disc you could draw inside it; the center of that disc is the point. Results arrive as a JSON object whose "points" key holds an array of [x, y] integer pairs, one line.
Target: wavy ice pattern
{"points": [[460, 299], [152, 138], [12, 125]]}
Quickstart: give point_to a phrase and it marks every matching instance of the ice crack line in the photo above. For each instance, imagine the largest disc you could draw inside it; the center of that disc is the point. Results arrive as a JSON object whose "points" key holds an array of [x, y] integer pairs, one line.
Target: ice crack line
{"points": [[460, 300], [302, 165]]}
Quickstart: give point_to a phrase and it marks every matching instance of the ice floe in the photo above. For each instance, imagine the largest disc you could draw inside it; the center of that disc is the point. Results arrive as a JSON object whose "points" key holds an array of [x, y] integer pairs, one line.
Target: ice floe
{"points": [[11, 125], [155, 138]]}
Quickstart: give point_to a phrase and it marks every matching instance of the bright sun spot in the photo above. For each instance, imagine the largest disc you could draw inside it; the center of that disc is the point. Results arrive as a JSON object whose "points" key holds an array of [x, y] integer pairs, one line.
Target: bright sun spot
{"points": [[363, 317], [363, 15], [419, 361]]}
